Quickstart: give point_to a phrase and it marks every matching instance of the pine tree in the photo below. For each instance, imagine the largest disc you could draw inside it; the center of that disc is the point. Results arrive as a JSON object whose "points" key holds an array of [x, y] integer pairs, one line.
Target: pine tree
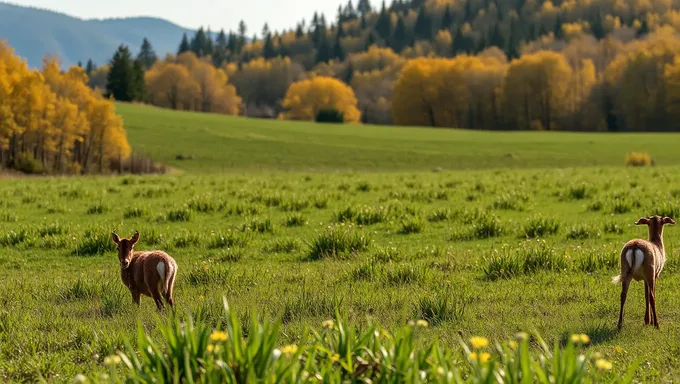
{"points": [[596, 26], [515, 41], [497, 39], [90, 67], [462, 43], [139, 84], [269, 51], [384, 24], [370, 40], [221, 46], [232, 45], [299, 31], [242, 30], [80, 64], [349, 74], [364, 7], [121, 81], [644, 29], [338, 49], [468, 16], [184, 45], [447, 19], [325, 51], [559, 33], [265, 30], [398, 41], [146, 55], [423, 27], [350, 12], [199, 44], [209, 48]]}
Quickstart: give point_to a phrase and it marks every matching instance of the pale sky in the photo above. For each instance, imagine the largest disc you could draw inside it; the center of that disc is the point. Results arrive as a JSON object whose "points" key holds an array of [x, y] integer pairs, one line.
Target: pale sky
{"points": [[194, 13]]}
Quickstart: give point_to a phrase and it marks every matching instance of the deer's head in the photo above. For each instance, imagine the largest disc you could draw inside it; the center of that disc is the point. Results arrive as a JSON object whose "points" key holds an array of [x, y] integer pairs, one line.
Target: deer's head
{"points": [[125, 248]]}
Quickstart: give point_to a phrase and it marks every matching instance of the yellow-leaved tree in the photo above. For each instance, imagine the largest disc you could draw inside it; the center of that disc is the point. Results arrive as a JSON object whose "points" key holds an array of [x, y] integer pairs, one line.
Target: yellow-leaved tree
{"points": [[304, 99]]}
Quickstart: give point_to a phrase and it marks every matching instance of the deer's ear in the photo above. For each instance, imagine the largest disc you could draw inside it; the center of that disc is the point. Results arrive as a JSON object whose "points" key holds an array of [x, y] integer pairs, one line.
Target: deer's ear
{"points": [[642, 220], [668, 220], [116, 239], [135, 237]]}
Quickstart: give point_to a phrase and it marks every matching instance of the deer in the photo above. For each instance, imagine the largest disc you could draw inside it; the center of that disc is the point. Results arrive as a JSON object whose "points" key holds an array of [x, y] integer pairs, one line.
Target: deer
{"points": [[148, 273], [644, 260]]}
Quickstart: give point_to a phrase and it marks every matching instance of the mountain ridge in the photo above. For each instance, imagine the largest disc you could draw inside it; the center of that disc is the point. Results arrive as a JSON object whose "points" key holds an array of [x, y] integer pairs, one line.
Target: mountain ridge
{"points": [[36, 32]]}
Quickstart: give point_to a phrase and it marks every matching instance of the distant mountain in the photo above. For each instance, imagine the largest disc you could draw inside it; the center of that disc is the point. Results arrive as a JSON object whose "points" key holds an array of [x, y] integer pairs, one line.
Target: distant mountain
{"points": [[34, 32]]}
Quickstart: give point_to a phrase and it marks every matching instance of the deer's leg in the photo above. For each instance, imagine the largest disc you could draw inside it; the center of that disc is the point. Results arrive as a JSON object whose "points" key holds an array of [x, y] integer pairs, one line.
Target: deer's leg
{"points": [[648, 318], [136, 297], [652, 299], [624, 293], [156, 295], [168, 294]]}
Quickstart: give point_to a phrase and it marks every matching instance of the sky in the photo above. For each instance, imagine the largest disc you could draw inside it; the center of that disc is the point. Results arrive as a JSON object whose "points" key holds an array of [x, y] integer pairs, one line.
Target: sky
{"points": [[192, 14]]}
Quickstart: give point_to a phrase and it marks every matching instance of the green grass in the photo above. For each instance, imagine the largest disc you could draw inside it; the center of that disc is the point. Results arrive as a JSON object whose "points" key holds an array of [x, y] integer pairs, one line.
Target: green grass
{"points": [[234, 144], [488, 252], [63, 307]]}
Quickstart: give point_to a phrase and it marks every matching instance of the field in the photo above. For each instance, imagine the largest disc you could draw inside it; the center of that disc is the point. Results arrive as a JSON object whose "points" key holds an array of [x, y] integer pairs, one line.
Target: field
{"points": [[486, 252]]}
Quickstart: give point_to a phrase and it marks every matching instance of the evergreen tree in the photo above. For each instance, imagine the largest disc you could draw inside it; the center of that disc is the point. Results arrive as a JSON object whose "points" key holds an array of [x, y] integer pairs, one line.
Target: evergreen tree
{"points": [[122, 79], [338, 49], [447, 19], [209, 44], [146, 55], [90, 67], [349, 74], [139, 83], [269, 51], [184, 45], [644, 29], [559, 33], [462, 43], [325, 51], [199, 44], [232, 44], [468, 16], [423, 27], [497, 39], [80, 64], [515, 41], [383, 26], [350, 12], [364, 7], [399, 38], [370, 40], [221, 47], [242, 30], [265, 30], [299, 31], [596, 26]]}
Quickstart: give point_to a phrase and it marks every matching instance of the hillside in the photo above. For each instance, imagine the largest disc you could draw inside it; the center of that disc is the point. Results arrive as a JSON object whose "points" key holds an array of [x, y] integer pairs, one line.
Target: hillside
{"points": [[35, 32], [222, 143]]}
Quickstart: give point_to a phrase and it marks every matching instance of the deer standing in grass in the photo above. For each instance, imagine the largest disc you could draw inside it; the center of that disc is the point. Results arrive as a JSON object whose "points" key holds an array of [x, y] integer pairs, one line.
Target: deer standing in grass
{"points": [[149, 273], [644, 260]]}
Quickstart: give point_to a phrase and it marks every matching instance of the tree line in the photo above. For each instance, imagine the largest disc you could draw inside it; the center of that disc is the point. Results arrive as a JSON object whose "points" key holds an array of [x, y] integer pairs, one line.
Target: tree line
{"points": [[51, 121], [468, 64]]}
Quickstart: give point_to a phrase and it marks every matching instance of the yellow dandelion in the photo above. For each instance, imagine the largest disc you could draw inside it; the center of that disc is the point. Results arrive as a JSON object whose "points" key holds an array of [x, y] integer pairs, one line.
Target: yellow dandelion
{"points": [[289, 350], [473, 356], [211, 348], [218, 336], [200, 298], [603, 365], [484, 357], [335, 357], [479, 342], [580, 339], [422, 323], [512, 344], [619, 349], [112, 360], [328, 324]]}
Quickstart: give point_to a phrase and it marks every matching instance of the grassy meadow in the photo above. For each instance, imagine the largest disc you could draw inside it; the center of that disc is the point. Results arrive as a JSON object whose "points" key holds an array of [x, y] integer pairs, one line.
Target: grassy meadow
{"points": [[530, 244]]}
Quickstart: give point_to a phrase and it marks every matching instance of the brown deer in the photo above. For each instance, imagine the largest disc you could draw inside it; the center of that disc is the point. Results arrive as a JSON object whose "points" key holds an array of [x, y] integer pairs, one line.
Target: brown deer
{"points": [[148, 273], [644, 260]]}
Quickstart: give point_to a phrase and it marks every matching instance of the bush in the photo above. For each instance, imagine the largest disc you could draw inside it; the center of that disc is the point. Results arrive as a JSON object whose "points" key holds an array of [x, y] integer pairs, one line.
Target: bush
{"points": [[193, 352], [638, 159], [330, 115]]}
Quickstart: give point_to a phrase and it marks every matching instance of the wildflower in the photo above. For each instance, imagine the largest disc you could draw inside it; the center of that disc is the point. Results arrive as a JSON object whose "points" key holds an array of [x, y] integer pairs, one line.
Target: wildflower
{"points": [[211, 348], [603, 365], [218, 336], [328, 324], [200, 298], [580, 339], [484, 357], [479, 342], [335, 357], [512, 344], [422, 323], [619, 349], [112, 360], [289, 350], [80, 378]]}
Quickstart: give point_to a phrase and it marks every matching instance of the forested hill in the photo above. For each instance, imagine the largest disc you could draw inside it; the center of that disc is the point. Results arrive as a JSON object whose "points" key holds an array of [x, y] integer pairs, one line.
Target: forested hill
{"points": [[35, 32]]}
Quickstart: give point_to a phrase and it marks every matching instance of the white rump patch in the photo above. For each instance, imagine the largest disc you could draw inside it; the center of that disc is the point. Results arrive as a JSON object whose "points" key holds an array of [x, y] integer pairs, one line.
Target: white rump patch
{"points": [[639, 258], [629, 257], [160, 267]]}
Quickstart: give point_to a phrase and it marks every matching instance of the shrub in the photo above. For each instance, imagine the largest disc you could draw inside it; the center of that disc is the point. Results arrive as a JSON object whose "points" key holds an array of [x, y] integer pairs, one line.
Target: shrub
{"points": [[540, 226], [339, 241], [638, 159], [193, 352], [330, 115]]}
